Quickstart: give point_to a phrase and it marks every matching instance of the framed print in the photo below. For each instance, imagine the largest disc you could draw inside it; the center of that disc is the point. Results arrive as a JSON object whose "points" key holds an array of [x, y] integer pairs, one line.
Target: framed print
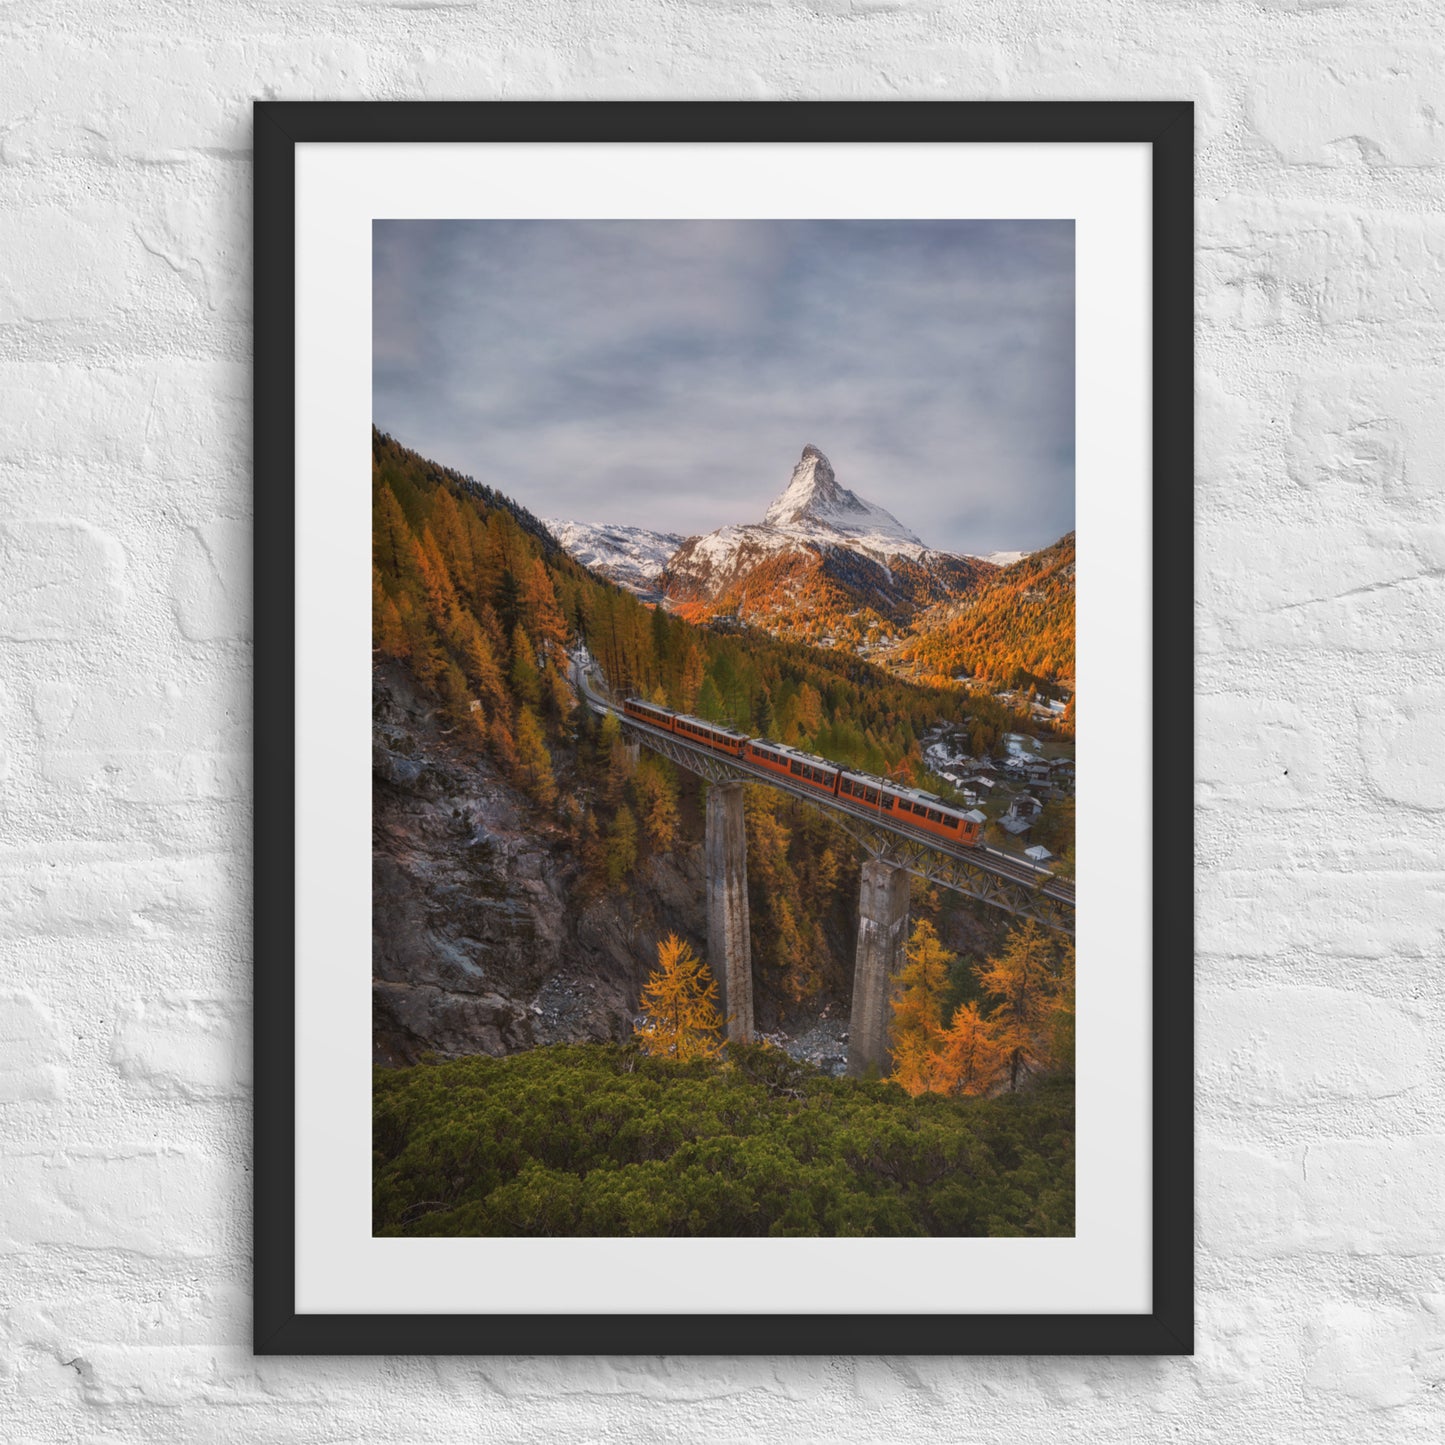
{"points": [[724, 574]]}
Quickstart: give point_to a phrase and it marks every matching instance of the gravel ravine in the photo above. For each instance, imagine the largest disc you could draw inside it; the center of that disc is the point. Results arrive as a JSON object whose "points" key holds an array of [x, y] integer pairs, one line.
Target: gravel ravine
{"points": [[823, 1043]]}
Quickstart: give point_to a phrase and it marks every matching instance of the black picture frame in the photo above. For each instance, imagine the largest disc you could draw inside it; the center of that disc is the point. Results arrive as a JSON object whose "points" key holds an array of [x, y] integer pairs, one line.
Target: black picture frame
{"points": [[1167, 127]]}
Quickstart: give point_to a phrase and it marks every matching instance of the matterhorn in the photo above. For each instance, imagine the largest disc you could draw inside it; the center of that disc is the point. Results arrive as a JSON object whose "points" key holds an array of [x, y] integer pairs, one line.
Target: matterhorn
{"points": [[822, 555], [814, 505]]}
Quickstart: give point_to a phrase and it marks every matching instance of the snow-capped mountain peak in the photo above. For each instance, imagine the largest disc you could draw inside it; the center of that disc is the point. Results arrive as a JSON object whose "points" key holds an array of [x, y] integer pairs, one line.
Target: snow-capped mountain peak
{"points": [[824, 563], [812, 492], [813, 500]]}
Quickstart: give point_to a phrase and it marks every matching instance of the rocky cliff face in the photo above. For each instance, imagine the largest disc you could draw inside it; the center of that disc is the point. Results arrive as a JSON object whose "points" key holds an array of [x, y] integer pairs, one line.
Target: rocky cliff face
{"points": [[478, 945]]}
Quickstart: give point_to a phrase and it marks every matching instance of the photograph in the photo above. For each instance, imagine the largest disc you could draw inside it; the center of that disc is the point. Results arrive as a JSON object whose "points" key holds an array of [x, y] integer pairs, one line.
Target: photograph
{"points": [[723, 728]]}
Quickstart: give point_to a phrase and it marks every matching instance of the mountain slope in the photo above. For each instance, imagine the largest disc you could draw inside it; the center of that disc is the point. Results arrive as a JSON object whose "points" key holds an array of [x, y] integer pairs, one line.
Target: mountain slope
{"points": [[630, 556], [1016, 628]]}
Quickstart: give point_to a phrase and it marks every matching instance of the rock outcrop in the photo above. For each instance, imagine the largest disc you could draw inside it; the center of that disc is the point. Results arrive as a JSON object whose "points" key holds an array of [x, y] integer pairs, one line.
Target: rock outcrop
{"points": [[478, 943]]}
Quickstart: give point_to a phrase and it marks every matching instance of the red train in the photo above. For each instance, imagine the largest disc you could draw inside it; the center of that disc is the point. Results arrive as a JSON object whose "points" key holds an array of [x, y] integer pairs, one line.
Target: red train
{"points": [[909, 806]]}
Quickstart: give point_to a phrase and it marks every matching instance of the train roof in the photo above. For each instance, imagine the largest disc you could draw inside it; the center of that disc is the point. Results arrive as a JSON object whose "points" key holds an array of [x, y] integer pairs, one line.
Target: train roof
{"points": [[813, 758], [916, 795], [702, 722]]}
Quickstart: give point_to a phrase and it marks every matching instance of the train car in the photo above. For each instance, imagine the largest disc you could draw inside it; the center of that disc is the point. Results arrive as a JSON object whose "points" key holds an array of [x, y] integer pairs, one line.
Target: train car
{"points": [[712, 735], [788, 762], [772, 756], [650, 713], [813, 772], [912, 807]]}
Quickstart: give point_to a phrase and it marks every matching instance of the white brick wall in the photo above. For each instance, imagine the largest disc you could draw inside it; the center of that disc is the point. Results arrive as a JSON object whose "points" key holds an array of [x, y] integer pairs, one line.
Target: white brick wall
{"points": [[124, 696]]}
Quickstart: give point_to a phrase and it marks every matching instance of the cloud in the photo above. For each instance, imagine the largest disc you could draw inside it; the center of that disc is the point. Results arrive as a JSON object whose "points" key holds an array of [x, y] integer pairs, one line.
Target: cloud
{"points": [[668, 373]]}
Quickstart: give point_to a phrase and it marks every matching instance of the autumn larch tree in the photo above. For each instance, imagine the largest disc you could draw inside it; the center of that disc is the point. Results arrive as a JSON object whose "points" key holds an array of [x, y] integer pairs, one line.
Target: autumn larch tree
{"points": [[621, 846], [534, 763], [917, 1033], [388, 635], [1061, 1011], [970, 1059], [1022, 983], [679, 1004], [539, 601], [657, 803], [525, 679]]}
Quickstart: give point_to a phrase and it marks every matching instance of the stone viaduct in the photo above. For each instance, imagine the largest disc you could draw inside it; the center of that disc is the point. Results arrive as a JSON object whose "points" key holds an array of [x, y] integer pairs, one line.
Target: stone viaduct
{"points": [[893, 856]]}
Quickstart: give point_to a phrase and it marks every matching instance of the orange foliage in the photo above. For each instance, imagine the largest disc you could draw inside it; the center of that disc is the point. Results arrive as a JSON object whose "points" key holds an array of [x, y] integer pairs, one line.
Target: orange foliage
{"points": [[679, 1002]]}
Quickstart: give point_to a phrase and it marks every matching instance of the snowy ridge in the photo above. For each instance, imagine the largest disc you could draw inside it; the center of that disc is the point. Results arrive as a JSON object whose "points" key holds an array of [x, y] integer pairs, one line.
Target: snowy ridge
{"points": [[631, 556], [817, 539]]}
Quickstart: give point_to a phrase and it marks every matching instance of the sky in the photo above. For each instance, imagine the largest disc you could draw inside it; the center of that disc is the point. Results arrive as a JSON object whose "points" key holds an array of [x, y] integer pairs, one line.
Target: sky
{"points": [[668, 374]]}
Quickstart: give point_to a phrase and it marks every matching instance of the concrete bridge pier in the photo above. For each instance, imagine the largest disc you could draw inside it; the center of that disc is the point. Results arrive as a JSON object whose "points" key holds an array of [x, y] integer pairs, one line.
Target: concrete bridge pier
{"points": [[729, 947], [882, 940], [634, 750]]}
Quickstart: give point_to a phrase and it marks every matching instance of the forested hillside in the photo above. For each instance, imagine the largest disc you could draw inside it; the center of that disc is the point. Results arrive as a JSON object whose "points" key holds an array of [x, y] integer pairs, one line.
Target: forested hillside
{"points": [[473, 597], [1015, 629], [475, 593]]}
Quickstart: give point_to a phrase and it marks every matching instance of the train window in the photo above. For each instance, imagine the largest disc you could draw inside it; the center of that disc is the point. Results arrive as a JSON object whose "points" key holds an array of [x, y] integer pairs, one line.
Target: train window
{"points": [[796, 769], [934, 816]]}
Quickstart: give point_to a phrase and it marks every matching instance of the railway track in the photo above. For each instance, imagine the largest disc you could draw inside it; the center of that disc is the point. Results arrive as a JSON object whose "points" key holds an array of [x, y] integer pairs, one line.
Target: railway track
{"points": [[987, 859]]}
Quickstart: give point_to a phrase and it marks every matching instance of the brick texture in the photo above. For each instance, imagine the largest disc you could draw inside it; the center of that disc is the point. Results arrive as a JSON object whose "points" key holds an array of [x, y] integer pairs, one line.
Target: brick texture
{"points": [[124, 696]]}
